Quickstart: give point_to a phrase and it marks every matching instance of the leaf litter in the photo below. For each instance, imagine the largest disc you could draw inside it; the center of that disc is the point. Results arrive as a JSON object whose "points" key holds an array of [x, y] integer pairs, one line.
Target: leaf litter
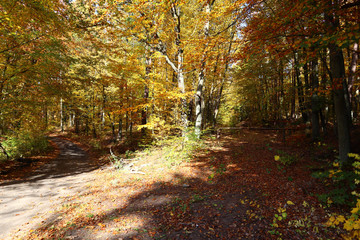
{"points": [[234, 189]]}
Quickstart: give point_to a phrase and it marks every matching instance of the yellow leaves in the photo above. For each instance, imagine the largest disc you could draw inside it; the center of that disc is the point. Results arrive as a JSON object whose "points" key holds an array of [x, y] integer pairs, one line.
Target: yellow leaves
{"points": [[331, 221], [355, 210], [348, 226], [276, 157], [333, 172], [340, 219], [335, 220], [354, 155], [281, 210], [290, 203]]}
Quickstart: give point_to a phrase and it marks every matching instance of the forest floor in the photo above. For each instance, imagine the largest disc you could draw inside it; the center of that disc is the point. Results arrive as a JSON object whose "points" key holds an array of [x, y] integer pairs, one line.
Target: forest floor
{"points": [[232, 189]]}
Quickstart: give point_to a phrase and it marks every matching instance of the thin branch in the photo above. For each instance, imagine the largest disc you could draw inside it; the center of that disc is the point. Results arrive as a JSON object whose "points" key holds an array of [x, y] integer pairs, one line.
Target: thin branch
{"points": [[229, 26]]}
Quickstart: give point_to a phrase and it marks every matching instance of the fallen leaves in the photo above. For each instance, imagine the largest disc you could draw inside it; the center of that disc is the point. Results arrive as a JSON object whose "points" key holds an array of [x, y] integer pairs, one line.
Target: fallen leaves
{"points": [[241, 201]]}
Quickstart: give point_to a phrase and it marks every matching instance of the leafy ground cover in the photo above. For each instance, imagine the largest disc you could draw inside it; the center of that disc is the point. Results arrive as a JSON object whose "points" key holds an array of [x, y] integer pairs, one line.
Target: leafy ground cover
{"points": [[235, 188]]}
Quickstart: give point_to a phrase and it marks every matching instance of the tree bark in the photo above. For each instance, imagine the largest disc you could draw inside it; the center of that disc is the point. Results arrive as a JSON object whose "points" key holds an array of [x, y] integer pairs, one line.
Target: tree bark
{"points": [[352, 71], [315, 100], [199, 98], [120, 135], [61, 115], [223, 79], [146, 90], [176, 13], [300, 89], [337, 76]]}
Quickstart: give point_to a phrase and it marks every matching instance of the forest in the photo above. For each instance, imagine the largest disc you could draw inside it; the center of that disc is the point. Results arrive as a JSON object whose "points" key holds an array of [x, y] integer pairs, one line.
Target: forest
{"points": [[126, 76]]}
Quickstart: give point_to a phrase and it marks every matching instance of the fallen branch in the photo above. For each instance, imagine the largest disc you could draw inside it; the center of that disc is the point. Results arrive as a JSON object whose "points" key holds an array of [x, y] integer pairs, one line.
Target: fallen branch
{"points": [[137, 172]]}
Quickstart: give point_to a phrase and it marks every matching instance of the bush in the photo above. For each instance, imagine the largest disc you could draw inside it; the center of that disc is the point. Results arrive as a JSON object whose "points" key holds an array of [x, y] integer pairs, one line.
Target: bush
{"points": [[349, 181], [342, 182], [25, 144], [179, 149]]}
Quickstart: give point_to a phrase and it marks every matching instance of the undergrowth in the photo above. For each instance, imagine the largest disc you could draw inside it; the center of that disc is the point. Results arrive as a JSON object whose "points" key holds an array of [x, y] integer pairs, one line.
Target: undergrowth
{"points": [[179, 149], [344, 191], [24, 144]]}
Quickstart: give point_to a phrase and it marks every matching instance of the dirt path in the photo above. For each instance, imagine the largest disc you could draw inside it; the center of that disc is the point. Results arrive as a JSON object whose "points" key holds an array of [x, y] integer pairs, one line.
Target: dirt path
{"points": [[233, 190], [24, 203]]}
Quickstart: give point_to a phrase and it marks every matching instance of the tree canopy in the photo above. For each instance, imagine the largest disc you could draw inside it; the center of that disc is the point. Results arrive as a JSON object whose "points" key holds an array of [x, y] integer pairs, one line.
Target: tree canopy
{"points": [[165, 67]]}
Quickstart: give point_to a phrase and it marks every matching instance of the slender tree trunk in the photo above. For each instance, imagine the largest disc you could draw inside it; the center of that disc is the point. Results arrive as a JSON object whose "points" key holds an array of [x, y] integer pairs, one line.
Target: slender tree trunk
{"points": [[307, 97], [300, 89], [77, 121], [146, 90], [352, 71], [199, 100], [131, 125], [46, 116], [61, 115], [315, 101], [223, 79], [93, 118], [293, 97], [103, 108], [86, 125], [120, 135], [280, 100]]}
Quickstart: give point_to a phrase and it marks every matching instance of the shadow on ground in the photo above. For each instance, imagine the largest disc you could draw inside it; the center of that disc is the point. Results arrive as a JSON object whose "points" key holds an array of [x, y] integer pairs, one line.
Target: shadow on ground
{"points": [[234, 192]]}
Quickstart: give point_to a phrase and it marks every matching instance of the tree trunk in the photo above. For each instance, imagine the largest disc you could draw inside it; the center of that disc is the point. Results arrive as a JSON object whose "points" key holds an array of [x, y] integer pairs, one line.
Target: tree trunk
{"points": [[300, 89], [306, 91], [293, 96], [315, 100], [352, 71], [176, 13], [103, 108], [338, 77], [120, 128], [61, 115], [338, 80], [223, 79], [146, 90], [77, 121], [199, 98]]}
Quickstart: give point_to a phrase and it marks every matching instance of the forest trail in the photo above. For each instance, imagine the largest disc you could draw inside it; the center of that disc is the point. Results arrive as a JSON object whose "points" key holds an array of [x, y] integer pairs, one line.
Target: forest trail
{"points": [[23, 203], [232, 190]]}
